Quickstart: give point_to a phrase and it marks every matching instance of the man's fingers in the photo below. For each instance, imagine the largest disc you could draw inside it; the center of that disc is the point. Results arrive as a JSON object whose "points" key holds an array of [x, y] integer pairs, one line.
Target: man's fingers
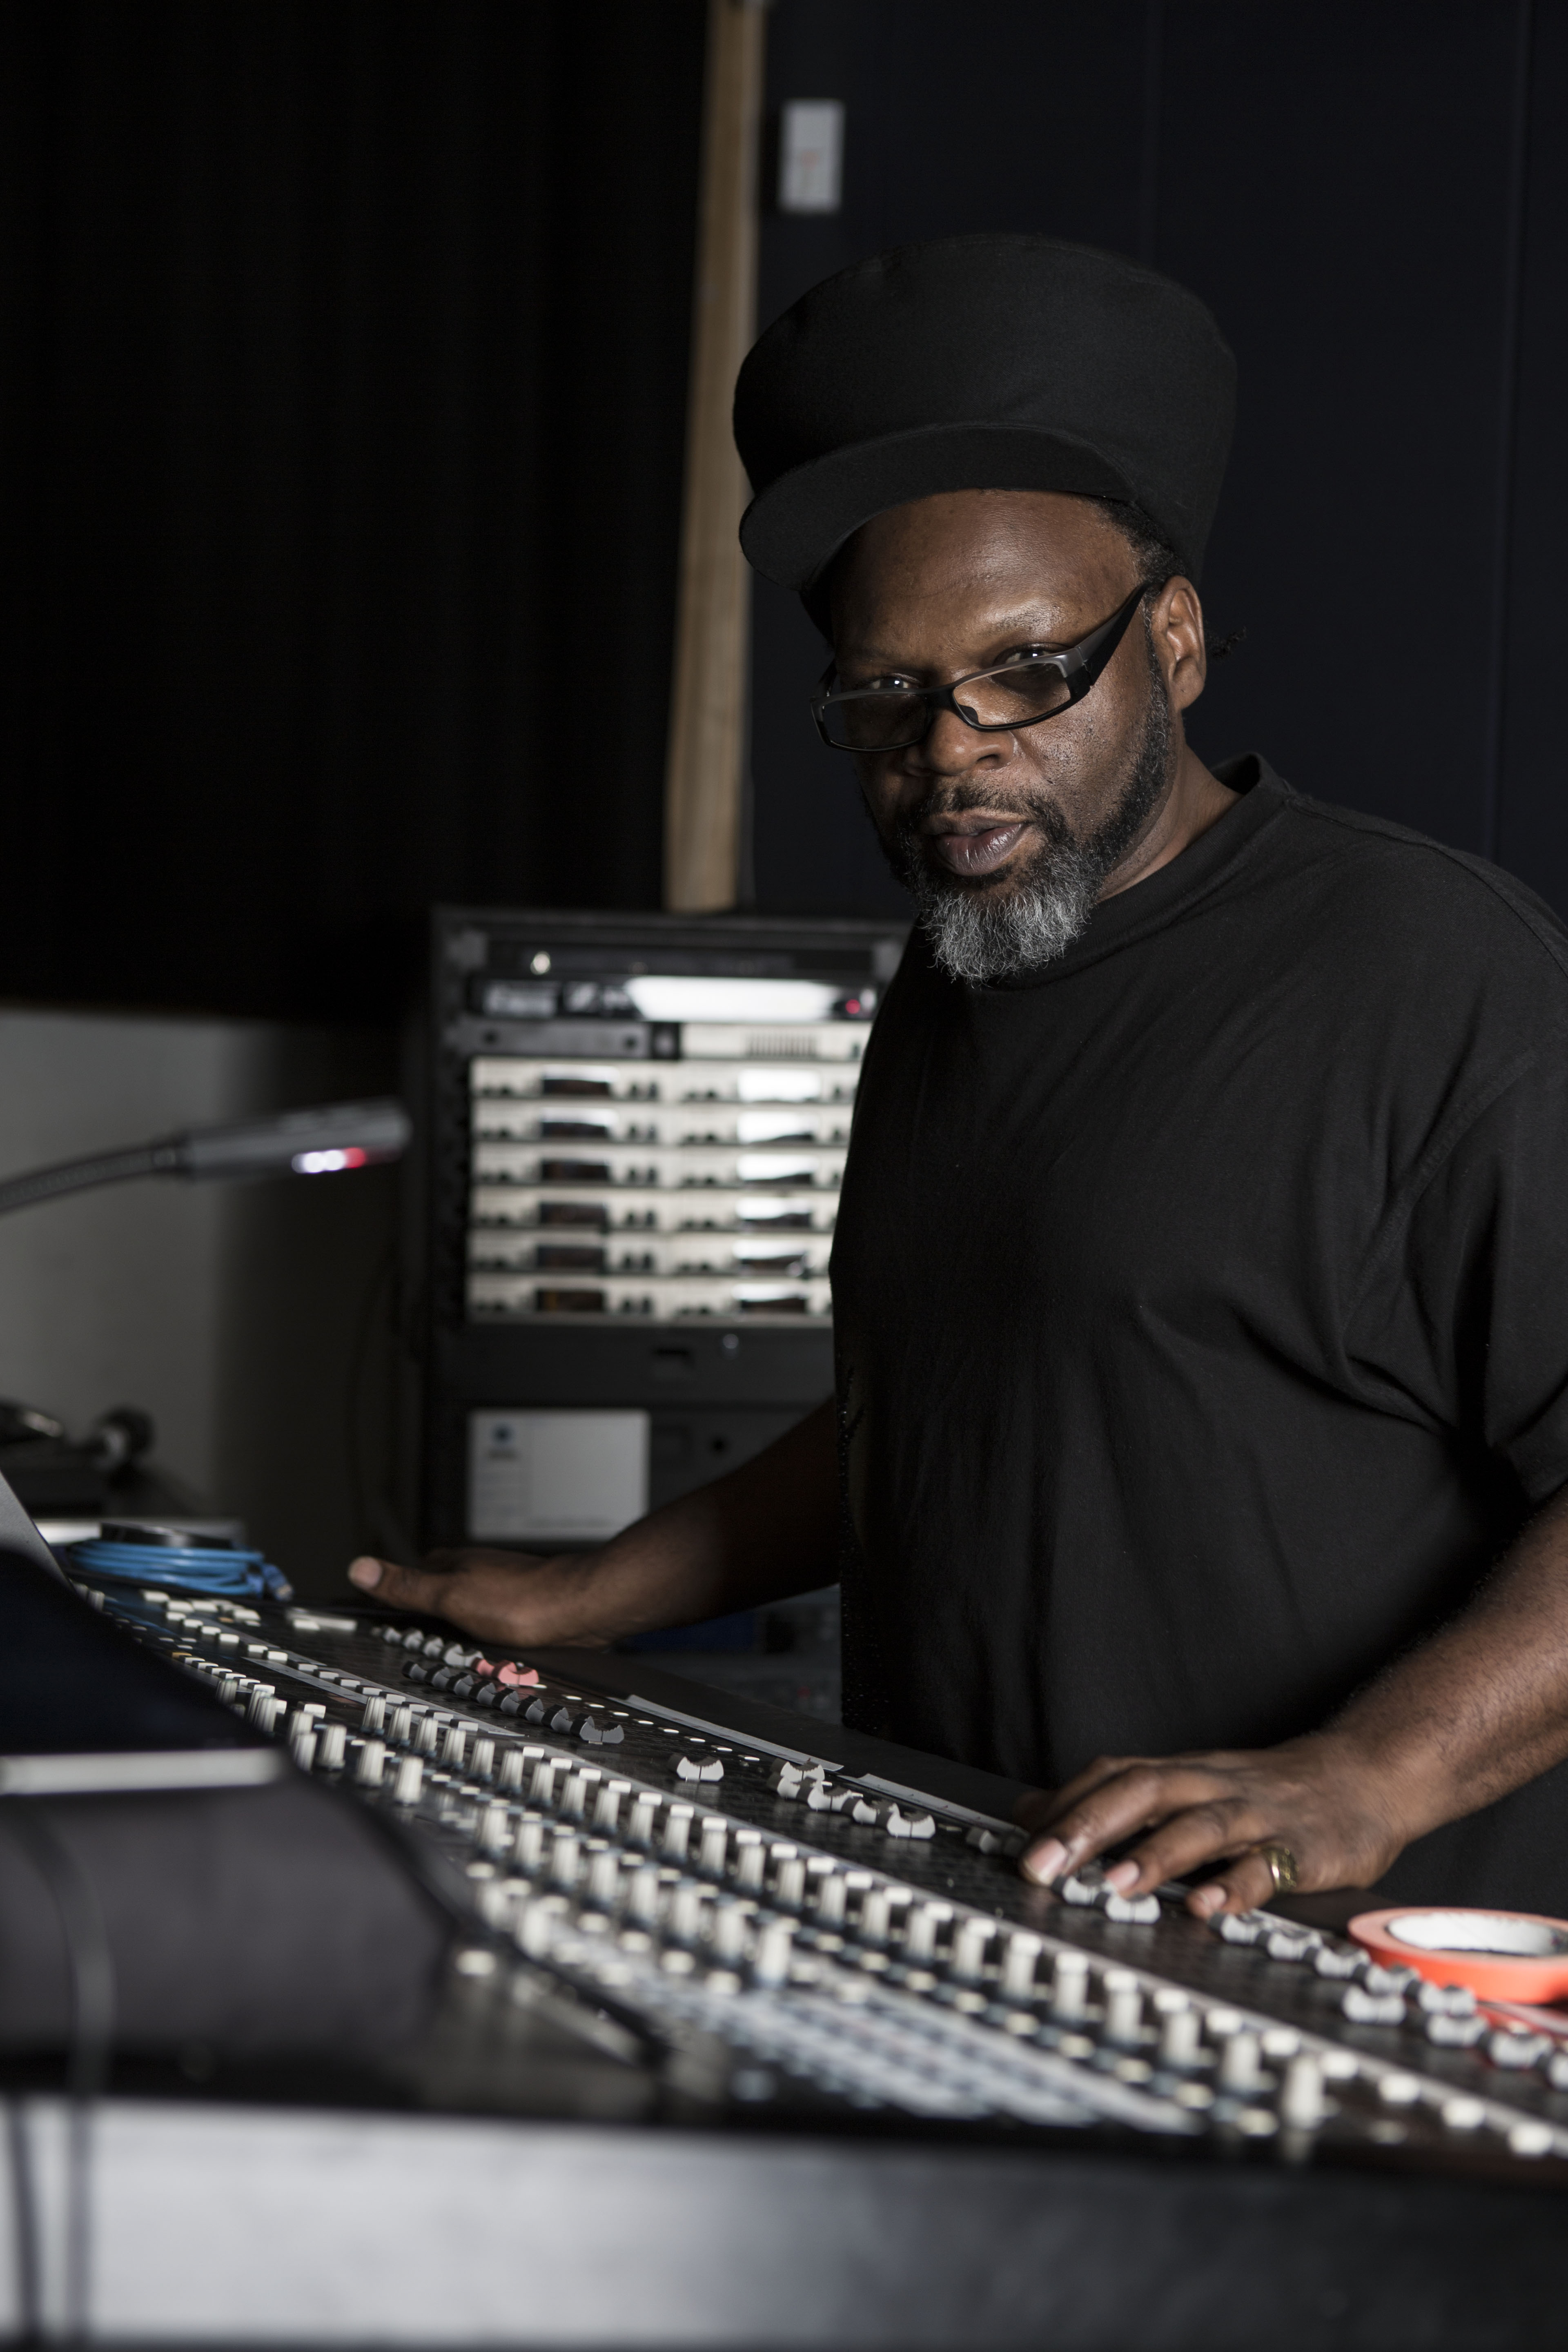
{"points": [[1247, 1885], [1210, 1831], [1136, 1799], [399, 1588], [501, 1596]]}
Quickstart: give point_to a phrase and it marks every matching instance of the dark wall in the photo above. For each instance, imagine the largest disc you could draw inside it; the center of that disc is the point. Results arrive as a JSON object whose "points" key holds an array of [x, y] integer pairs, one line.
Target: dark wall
{"points": [[1373, 195], [344, 354]]}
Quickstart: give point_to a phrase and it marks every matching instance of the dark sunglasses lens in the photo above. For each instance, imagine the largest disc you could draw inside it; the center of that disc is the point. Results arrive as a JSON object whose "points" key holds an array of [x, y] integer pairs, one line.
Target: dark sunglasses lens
{"points": [[873, 722], [1015, 697]]}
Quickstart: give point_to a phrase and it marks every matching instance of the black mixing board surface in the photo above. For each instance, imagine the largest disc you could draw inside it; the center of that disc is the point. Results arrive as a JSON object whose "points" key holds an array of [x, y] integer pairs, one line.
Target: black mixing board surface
{"points": [[773, 1916]]}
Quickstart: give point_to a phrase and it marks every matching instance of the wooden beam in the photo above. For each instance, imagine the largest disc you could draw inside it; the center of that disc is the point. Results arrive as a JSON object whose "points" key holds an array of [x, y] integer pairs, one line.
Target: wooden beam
{"points": [[706, 766]]}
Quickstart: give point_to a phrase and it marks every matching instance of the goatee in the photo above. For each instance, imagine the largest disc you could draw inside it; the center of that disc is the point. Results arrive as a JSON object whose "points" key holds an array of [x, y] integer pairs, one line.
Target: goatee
{"points": [[985, 932]]}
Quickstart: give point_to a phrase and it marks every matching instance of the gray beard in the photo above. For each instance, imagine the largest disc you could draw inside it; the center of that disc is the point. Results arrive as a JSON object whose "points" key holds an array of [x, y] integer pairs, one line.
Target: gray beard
{"points": [[985, 933]]}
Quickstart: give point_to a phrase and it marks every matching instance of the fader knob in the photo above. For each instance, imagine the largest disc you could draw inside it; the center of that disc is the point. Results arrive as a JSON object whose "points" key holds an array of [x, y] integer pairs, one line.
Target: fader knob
{"points": [[969, 1949], [789, 1881], [643, 1893], [1180, 2030], [1238, 2069], [607, 1804], [1123, 2008], [1019, 1962], [831, 1894], [1069, 1987], [729, 1932], [919, 1936], [770, 1964], [1301, 2105], [685, 1913], [605, 1877], [876, 1916]]}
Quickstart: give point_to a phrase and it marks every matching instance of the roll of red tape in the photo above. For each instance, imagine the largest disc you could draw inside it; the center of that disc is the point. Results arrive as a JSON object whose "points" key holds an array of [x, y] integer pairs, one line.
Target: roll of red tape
{"points": [[1500, 1955]]}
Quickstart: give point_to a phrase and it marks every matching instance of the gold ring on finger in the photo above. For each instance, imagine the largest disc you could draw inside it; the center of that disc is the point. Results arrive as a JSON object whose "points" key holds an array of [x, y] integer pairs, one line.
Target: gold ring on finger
{"points": [[1281, 1863]]}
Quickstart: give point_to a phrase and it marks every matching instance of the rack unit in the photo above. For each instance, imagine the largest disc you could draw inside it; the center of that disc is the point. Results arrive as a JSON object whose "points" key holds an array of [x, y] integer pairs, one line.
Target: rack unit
{"points": [[638, 1128]]}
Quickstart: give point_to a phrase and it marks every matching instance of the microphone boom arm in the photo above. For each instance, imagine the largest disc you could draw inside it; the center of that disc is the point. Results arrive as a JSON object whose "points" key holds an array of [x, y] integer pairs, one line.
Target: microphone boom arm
{"points": [[331, 1141]]}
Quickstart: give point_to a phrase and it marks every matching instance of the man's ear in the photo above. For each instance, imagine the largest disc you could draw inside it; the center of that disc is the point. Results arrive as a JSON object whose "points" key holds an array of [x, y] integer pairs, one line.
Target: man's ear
{"points": [[1176, 625]]}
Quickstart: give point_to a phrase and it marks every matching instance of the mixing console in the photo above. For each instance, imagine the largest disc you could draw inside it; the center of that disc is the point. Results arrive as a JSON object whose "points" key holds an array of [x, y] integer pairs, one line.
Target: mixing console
{"points": [[844, 1942]]}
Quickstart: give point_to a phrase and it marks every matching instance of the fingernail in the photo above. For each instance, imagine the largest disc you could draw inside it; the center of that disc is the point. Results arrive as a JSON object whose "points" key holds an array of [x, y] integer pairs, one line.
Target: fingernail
{"points": [[1207, 1901], [1043, 1862], [365, 1573], [1121, 1876]]}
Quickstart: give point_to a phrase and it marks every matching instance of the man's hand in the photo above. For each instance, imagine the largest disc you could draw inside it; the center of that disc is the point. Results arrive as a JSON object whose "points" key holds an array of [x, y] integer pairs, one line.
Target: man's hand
{"points": [[502, 1596], [768, 1530], [1337, 1816], [1460, 1720]]}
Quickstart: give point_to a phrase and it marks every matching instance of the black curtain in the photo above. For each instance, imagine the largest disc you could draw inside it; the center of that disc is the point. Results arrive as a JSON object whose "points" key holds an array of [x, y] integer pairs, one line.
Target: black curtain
{"points": [[344, 366]]}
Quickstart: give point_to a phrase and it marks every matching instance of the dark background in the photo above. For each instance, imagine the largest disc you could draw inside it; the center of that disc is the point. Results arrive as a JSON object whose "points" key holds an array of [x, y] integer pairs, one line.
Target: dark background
{"points": [[344, 399], [343, 382]]}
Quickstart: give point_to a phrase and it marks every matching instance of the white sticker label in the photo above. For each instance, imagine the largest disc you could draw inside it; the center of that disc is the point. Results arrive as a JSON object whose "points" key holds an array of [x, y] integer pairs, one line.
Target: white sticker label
{"points": [[811, 155], [555, 1477]]}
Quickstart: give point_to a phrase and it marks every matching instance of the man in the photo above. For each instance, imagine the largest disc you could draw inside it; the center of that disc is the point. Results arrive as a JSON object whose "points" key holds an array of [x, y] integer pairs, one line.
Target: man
{"points": [[1201, 1294]]}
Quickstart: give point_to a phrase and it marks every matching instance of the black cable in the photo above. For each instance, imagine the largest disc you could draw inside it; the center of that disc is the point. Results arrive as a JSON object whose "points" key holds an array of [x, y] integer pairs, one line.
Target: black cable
{"points": [[78, 1175], [91, 2048], [1508, 420]]}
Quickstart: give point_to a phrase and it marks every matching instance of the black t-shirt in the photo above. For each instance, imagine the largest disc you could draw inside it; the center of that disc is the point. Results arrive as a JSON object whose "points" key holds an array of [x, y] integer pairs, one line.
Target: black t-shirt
{"points": [[1201, 1311]]}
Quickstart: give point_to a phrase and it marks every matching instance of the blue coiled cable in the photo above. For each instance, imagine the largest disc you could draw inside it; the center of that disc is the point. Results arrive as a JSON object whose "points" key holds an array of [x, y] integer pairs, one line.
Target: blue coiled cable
{"points": [[184, 1567]]}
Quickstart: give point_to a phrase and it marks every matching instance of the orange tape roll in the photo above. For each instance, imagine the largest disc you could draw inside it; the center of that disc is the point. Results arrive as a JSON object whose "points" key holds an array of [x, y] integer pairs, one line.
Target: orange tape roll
{"points": [[1500, 1955]]}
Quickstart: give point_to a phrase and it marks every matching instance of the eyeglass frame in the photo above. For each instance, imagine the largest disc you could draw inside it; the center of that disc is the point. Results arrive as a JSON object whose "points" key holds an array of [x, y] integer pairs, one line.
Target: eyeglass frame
{"points": [[1080, 667]]}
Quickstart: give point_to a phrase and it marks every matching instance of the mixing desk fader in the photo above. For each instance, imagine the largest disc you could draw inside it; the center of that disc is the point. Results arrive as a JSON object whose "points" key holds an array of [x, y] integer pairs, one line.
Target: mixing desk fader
{"points": [[833, 1938]]}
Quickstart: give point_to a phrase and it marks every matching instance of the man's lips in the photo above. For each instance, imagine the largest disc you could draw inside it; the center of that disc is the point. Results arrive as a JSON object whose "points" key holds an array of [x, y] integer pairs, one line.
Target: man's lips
{"points": [[978, 848]]}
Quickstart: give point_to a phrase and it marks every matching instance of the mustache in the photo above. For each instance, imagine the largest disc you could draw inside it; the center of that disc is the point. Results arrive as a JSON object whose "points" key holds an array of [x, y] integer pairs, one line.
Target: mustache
{"points": [[958, 800]]}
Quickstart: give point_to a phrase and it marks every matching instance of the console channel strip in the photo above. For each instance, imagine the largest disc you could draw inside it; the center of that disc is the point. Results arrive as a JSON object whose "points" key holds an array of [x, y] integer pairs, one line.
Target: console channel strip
{"points": [[853, 1943]]}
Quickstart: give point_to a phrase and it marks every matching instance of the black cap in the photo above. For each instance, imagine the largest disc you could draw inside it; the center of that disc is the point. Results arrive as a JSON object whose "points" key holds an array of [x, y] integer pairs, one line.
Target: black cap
{"points": [[1009, 362]]}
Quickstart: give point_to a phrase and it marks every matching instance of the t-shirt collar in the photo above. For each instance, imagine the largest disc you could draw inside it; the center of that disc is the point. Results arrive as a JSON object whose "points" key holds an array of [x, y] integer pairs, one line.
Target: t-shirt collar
{"points": [[1150, 904]]}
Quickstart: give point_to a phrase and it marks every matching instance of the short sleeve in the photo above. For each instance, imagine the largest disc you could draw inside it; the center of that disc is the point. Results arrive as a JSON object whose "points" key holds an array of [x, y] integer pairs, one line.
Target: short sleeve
{"points": [[1461, 1320]]}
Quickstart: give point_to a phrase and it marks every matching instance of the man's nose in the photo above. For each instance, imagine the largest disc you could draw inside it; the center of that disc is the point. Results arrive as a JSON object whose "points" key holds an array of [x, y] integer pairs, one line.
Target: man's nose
{"points": [[952, 748]]}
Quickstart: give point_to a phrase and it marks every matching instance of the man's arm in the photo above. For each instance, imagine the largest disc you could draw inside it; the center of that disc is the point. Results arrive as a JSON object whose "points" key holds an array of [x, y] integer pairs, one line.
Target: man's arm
{"points": [[1474, 1713], [768, 1530]]}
